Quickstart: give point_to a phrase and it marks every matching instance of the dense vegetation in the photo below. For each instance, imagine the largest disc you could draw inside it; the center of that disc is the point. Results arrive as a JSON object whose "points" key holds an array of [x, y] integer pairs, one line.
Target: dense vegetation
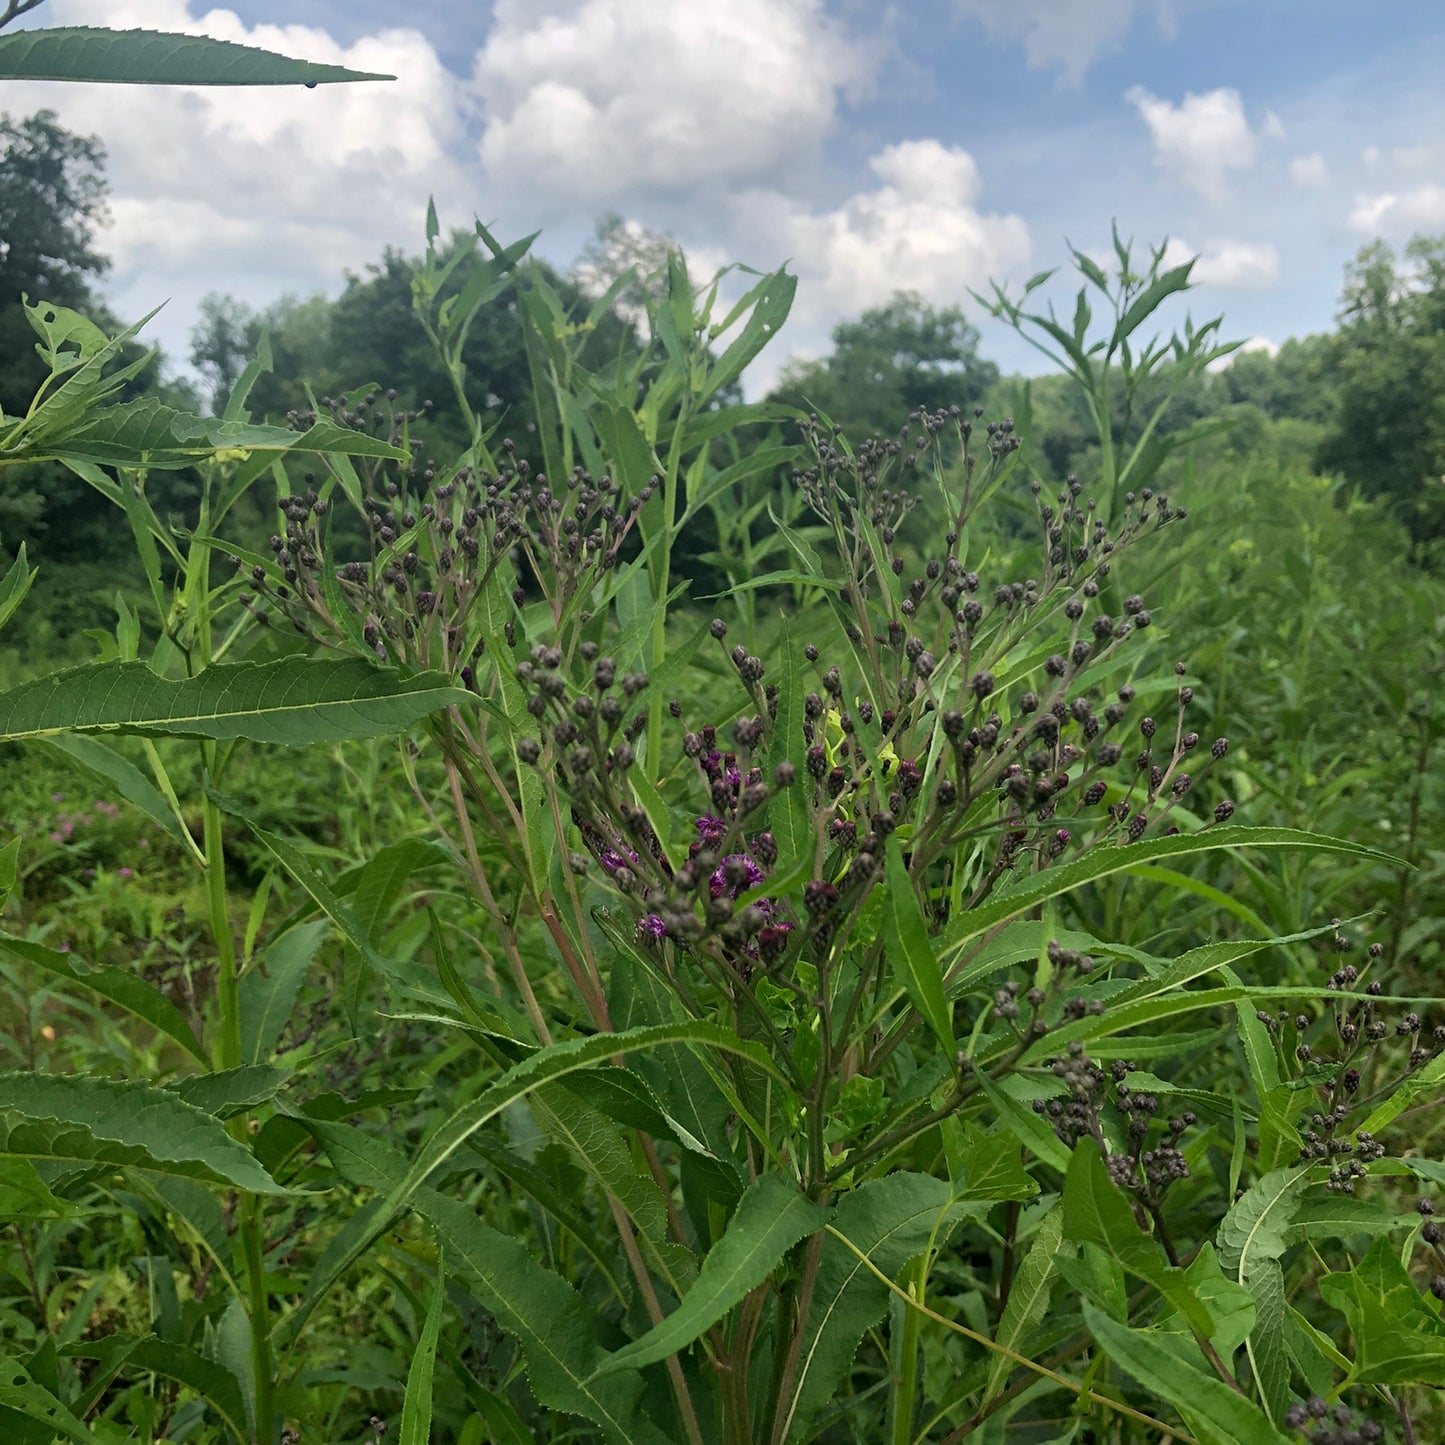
{"points": [[971, 978]]}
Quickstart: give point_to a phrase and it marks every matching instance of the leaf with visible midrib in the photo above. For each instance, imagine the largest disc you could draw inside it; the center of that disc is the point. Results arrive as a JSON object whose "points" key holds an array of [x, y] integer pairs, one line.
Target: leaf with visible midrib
{"points": [[1255, 1227], [770, 1219], [127, 1124], [1028, 1300], [1096, 1211], [31, 1400], [119, 986], [1214, 1412], [890, 1221], [152, 57], [555, 1326], [295, 701]]}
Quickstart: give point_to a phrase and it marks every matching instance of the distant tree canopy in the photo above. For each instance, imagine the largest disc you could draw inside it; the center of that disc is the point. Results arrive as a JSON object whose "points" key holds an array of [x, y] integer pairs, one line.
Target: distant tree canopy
{"points": [[52, 198], [890, 360], [1387, 432], [370, 334]]}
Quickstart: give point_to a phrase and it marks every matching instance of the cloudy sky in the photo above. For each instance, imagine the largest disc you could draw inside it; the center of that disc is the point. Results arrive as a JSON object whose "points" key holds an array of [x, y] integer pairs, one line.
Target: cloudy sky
{"points": [[923, 144]]}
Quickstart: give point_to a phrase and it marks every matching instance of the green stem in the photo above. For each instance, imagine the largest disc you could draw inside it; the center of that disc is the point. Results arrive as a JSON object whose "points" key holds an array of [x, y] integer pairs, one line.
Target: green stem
{"points": [[905, 1387]]}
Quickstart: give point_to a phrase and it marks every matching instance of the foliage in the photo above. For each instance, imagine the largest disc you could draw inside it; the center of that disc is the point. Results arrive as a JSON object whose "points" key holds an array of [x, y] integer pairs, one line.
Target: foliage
{"points": [[865, 1024], [890, 360], [149, 57], [1387, 436]]}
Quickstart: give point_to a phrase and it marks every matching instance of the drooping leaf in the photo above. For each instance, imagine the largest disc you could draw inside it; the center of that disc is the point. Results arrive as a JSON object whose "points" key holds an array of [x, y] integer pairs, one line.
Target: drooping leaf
{"points": [[555, 1326], [1214, 1413], [1095, 1211], [152, 57], [108, 767], [120, 986], [268, 989], [771, 1218], [127, 1124], [295, 701], [212, 1381], [533, 1073]]}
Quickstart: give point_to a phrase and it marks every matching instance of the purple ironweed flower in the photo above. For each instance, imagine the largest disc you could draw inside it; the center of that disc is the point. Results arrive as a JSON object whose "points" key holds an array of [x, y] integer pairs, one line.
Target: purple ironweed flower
{"points": [[710, 830], [735, 874], [612, 859], [125, 873], [652, 927]]}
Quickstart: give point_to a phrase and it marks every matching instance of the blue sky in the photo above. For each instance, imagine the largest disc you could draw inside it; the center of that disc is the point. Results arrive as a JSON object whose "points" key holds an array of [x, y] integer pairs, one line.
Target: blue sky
{"points": [[927, 145]]}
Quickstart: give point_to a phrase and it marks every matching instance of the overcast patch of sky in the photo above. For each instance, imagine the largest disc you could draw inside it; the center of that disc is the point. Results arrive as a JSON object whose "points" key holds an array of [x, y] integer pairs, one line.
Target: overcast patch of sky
{"points": [[960, 138]]}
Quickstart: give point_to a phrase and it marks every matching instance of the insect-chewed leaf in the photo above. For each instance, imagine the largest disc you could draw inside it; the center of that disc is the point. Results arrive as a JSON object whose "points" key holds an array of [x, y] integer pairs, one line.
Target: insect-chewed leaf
{"points": [[294, 702], [86, 1121]]}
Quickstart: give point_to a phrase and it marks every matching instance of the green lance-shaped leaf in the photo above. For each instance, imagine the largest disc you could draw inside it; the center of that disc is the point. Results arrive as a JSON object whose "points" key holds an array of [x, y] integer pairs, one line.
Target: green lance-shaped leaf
{"points": [[15, 584], [1096, 1211], [1028, 1300], [1104, 862], [119, 986], [147, 433], [556, 1328], [30, 1400], [915, 962], [1215, 1414], [295, 701], [107, 767], [416, 1407], [1267, 1344], [229, 1092], [268, 989], [771, 1218], [211, 1380], [1252, 1237], [128, 1124], [523, 1079], [152, 57], [890, 1221], [1257, 1226]]}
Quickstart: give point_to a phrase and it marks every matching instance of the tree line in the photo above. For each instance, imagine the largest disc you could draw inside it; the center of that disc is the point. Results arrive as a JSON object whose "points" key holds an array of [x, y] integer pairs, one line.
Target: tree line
{"points": [[1365, 402]]}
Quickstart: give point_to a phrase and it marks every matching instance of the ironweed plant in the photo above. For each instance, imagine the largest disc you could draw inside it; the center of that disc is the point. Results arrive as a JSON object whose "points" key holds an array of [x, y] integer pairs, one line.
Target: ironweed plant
{"points": [[787, 1088]]}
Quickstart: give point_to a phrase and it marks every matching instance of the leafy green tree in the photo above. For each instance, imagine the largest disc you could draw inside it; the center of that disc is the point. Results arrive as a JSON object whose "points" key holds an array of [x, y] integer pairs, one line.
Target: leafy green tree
{"points": [[370, 335], [1387, 436], [890, 360]]}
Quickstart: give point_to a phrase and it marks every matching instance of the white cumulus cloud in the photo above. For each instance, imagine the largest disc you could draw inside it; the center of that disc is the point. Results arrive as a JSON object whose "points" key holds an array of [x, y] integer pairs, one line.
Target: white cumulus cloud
{"points": [[1067, 34], [1230, 265], [591, 99], [259, 191], [1201, 139], [1396, 212], [920, 229]]}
